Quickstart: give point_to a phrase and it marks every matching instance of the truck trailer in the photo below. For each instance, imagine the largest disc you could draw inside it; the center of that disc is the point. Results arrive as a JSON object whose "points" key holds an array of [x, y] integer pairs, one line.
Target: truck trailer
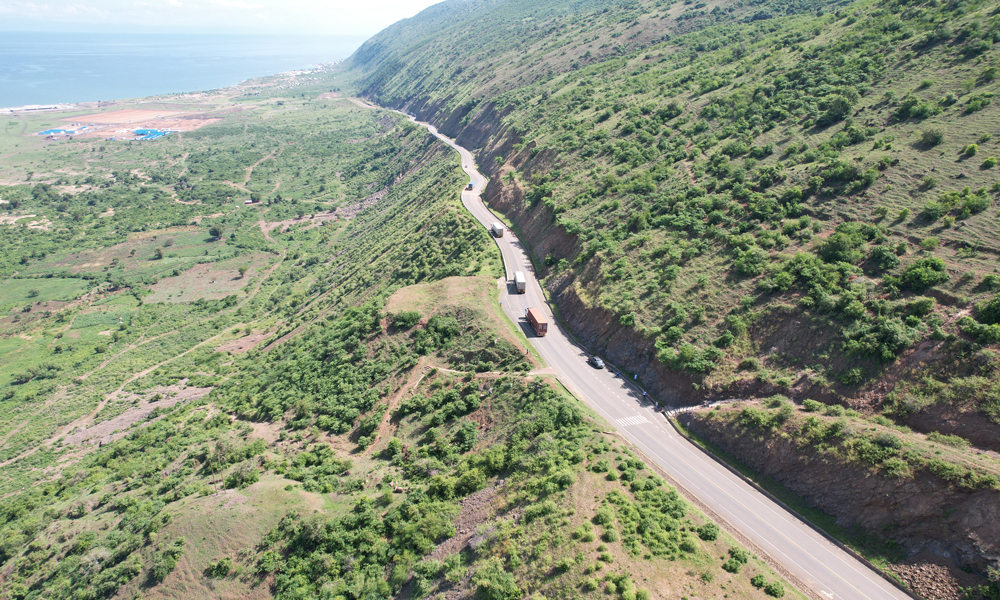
{"points": [[538, 321], [497, 230], [520, 282], [470, 186]]}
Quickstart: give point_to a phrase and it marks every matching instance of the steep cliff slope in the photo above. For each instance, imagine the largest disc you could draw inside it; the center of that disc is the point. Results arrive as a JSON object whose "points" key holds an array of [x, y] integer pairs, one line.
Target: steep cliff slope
{"points": [[924, 495]]}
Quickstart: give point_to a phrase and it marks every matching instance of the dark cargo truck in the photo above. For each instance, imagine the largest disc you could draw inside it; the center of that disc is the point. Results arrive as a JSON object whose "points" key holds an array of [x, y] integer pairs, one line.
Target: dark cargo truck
{"points": [[538, 321]]}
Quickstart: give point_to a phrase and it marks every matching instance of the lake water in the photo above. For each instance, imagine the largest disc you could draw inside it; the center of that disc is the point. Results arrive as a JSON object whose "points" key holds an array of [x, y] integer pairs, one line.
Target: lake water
{"points": [[43, 68]]}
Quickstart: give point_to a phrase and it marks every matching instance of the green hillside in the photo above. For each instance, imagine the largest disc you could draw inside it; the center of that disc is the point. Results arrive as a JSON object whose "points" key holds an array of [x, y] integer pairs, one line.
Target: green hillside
{"points": [[791, 201], [264, 357], [735, 199]]}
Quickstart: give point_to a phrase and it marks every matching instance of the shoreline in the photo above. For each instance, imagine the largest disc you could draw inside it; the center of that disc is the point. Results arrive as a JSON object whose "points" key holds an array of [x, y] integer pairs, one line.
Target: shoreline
{"points": [[154, 116], [55, 107]]}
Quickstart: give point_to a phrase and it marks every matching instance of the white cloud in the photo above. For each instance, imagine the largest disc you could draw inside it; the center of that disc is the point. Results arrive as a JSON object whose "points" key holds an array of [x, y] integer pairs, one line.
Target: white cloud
{"points": [[336, 17], [236, 4]]}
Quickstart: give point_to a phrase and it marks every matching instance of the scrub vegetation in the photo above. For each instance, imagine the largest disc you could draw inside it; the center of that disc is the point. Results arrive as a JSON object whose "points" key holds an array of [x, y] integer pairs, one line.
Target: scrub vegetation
{"points": [[772, 198], [717, 178], [235, 361]]}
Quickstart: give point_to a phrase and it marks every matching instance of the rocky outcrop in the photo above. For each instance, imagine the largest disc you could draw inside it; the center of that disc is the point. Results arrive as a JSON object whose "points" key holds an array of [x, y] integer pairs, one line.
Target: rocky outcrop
{"points": [[923, 514]]}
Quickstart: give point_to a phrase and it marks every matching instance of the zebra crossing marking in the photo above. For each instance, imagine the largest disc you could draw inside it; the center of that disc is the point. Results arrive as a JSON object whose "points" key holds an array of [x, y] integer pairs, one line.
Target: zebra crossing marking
{"points": [[636, 420]]}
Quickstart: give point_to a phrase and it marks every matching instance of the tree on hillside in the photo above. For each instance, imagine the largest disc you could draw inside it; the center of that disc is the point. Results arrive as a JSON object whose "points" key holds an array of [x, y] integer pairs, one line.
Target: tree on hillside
{"points": [[215, 231]]}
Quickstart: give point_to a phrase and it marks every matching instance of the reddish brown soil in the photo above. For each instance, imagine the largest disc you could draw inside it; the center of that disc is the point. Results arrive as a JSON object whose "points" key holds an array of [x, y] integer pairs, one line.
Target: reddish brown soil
{"points": [[112, 429], [245, 343], [124, 122], [477, 508]]}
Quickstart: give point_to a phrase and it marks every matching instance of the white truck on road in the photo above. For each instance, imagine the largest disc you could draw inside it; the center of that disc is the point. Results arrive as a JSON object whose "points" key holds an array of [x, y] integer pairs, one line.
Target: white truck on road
{"points": [[519, 282], [496, 229]]}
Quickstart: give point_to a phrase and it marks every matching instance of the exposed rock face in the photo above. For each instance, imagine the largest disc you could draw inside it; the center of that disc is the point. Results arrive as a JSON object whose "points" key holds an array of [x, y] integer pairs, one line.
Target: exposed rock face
{"points": [[924, 514], [935, 582], [962, 420]]}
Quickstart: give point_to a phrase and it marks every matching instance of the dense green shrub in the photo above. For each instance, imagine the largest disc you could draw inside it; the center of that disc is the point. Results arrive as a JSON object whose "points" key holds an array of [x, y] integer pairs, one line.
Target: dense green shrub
{"points": [[981, 332], [757, 418], [708, 532], [537, 511], [406, 319], [932, 136], [220, 568], [494, 582], [732, 566], [989, 311], [880, 337], [812, 405], [924, 273], [166, 561], [243, 475], [883, 258]]}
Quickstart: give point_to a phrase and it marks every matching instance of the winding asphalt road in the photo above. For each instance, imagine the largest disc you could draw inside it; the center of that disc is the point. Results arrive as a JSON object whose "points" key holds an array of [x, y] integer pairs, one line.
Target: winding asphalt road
{"points": [[820, 567]]}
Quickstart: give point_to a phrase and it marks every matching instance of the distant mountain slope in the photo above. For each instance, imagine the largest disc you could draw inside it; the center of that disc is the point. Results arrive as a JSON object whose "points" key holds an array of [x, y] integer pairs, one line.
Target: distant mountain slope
{"points": [[462, 50]]}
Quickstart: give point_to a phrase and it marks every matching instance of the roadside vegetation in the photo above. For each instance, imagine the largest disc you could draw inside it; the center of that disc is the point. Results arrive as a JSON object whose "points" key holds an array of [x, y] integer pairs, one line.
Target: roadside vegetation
{"points": [[895, 488]]}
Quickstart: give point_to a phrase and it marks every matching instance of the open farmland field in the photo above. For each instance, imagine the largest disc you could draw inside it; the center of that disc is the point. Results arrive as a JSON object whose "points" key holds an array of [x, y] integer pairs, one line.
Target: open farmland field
{"points": [[211, 281], [39, 293], [135, 254]]}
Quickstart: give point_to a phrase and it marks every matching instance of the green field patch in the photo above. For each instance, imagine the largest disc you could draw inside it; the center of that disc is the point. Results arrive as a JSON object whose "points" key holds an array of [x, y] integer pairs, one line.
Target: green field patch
{"points": [[221, 525], [490, 341], [120, 300], [16, 293], [10, 344], [101, 319]]}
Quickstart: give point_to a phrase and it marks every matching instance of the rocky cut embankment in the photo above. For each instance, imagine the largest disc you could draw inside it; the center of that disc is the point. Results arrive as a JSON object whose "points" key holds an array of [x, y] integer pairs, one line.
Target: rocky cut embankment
{"points": [[959, 526]]}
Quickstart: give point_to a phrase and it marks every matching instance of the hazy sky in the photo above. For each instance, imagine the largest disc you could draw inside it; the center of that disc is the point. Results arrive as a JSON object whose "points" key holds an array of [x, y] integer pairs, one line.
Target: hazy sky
{"points": [[335, 17]]}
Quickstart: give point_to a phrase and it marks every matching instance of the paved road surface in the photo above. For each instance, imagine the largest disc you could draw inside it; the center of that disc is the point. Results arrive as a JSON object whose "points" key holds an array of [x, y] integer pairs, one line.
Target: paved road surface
{"points": [[823, 568]]}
